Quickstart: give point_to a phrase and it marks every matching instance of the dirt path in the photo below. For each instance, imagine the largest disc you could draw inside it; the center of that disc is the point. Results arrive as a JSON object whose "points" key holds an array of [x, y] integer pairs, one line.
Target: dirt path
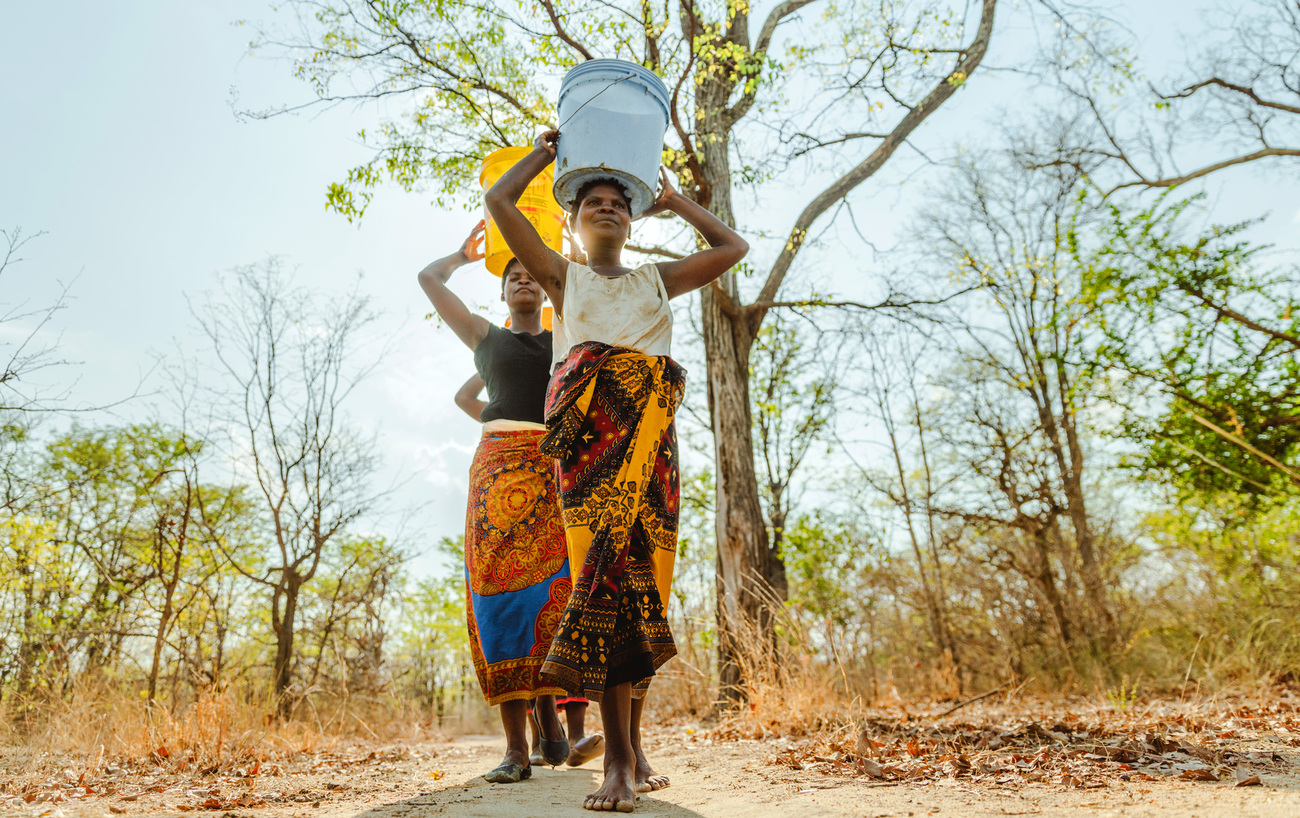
{"points": [[735, 780], [724, 779]]}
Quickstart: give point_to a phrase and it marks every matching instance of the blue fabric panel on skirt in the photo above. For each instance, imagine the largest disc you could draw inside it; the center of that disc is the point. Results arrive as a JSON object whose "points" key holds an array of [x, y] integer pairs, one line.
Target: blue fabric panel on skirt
{"points": [[500, 615]]}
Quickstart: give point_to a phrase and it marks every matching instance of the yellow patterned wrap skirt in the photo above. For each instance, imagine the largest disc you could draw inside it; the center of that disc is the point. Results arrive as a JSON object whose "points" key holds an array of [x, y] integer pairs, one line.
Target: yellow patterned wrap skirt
{"points": [[610, 412]]}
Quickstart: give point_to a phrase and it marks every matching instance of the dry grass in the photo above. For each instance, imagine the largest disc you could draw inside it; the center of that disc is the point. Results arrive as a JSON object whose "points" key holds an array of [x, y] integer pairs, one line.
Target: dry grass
{"points": [[817, 718], [685, 688], [98, 726], [806, 685]]}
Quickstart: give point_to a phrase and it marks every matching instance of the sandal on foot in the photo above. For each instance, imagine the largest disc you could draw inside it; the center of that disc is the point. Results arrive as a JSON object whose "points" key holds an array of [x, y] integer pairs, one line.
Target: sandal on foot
{"points": [[554, 751], [585, 749], [508, 774], [535, 757]]}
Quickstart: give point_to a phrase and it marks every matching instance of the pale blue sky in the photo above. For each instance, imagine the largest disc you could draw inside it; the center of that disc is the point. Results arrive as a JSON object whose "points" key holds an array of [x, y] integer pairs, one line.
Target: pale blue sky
{"points": [[118, 138]]}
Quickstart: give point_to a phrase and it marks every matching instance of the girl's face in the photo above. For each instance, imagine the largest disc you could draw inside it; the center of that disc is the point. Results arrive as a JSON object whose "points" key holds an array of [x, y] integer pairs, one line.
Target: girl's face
{"points": [[603, 216], [520, 290]]}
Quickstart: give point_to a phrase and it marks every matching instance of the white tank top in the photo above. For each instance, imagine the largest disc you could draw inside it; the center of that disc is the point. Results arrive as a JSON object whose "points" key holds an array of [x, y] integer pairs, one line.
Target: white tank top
{"points": [[630, 311]]}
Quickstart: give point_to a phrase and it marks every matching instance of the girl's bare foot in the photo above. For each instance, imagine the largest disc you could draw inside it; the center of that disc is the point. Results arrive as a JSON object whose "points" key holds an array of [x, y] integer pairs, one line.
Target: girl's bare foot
{"points": [[647, 780], [618, 792]]}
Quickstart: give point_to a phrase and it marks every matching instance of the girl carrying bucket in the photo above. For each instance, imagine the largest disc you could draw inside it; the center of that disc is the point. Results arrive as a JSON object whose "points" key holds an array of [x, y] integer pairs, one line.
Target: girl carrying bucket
{"points": [[516, 568], [610, 415]]}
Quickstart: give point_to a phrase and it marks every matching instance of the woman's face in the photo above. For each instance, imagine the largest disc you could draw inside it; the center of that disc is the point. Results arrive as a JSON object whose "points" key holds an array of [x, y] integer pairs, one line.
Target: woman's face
{"points": [[520, 290], [603, 216]]}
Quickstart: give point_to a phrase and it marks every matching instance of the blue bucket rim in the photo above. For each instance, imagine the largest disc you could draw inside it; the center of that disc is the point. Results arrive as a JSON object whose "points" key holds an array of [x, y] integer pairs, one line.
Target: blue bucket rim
{"points": [[653, 81]]}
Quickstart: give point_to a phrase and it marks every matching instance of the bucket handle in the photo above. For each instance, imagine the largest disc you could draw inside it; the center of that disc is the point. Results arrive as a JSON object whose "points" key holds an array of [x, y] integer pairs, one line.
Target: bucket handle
{"points": [[560, 127]]}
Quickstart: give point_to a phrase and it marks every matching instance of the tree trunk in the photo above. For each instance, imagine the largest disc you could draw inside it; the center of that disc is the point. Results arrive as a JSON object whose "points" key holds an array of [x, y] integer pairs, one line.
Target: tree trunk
{"points": [[1045, 579], [1072, 478], [1070, 471], [169, 608], [741, 529], [284, 634], [160, 638], [776, 577], [937, 629], [26, 651], [932, 537], [744, 561]]}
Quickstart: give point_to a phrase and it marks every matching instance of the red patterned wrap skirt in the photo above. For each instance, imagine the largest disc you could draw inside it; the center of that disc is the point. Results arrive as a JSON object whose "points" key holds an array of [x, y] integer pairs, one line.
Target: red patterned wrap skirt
{"points": [[516, 564]]}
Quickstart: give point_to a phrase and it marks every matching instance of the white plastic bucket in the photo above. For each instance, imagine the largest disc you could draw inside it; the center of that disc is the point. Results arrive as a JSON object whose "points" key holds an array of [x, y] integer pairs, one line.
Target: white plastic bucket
{"points": [[613, 115]]}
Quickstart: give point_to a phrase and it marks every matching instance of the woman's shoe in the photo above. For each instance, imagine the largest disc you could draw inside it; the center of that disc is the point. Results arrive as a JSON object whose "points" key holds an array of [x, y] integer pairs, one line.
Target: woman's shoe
{"points": [[585, 749], [508, 774], [554, 751]]}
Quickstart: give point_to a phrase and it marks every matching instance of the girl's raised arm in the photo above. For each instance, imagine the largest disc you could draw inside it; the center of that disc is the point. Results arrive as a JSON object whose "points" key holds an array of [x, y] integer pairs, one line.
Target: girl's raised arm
{"points": [[469, 328], [543, 264], [726, 247]]}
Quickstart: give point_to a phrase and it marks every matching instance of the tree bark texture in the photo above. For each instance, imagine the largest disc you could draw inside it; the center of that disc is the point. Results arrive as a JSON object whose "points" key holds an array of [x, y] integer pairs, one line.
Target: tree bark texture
{"points": [[284, 610], [742, 542]]}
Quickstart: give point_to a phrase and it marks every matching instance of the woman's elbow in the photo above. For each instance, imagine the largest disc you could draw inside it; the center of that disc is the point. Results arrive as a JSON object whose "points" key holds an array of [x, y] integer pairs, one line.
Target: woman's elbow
{"points": [[740, 250], [496, 201], [430, 275]]}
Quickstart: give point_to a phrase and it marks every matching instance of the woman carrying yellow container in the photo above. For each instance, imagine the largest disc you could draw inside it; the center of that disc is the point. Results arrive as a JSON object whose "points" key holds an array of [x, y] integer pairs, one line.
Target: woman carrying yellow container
{"points": [[516, 567], [582, 747]]}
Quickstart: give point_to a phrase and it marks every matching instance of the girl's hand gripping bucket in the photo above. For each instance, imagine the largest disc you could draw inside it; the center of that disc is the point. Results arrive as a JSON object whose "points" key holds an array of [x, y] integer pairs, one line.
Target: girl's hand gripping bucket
{"points": [[613, 115], [537, 204]]}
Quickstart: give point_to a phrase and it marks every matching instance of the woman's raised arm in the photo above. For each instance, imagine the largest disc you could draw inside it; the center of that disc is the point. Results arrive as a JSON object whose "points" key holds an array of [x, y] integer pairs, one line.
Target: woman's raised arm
{"points": [[543, 264], [469, 328], [726, 247]]}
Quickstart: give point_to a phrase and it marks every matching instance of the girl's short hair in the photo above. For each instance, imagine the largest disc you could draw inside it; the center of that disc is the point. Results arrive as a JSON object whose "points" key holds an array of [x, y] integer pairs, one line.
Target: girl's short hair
{"points": [[590, 183]]}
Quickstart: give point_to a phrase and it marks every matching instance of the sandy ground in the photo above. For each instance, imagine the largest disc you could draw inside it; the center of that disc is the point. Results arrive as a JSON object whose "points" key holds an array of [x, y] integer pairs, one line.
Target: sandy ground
{"points": [[734, 780], [726, 779]]}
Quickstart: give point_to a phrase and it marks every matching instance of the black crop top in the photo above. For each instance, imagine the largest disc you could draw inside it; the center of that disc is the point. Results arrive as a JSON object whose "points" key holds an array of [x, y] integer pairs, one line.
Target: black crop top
{"points": [[516, 367]]}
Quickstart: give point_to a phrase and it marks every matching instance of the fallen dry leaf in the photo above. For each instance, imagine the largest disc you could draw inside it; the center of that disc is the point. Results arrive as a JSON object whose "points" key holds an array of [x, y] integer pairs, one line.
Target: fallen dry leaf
{"points": [[871, 768], [1246, 779]]}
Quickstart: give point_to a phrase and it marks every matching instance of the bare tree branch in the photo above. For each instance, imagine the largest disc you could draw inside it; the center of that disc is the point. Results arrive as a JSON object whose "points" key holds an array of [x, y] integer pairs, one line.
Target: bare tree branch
{"points": [[887, 304], [1240, 89], [1171, 181], [564, 35], [654, 251], [944, 89], [759, 54]]}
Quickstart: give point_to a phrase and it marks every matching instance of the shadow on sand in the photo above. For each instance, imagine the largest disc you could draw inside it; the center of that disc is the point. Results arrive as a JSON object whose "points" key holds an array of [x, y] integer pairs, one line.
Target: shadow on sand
{"points": [[548, 793]]}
